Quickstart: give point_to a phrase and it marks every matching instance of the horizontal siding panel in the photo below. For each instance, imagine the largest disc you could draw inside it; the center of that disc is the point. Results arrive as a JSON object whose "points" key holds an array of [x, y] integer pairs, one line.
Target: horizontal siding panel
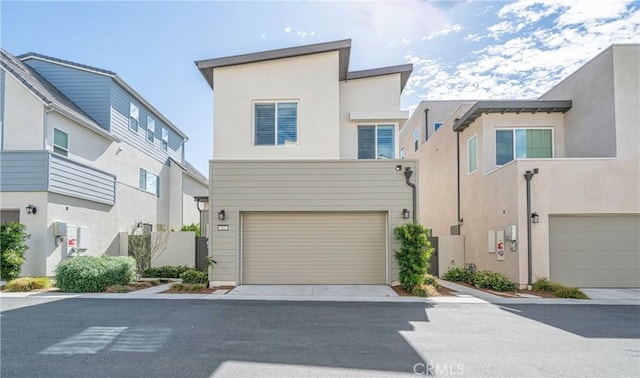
{"points": [[23, 171], [77, 180]]}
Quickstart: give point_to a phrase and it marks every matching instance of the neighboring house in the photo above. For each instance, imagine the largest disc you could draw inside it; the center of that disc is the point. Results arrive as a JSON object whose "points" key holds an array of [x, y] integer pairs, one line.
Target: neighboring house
{"points": [[581, 137], [305, 188], [80, 147]]}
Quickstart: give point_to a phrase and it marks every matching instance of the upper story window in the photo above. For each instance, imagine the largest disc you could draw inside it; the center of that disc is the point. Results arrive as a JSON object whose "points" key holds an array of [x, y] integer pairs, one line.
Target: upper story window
{"points": [[416, 139], [436, 126], [523, 144], [276, 123], [151, 129], [165, 139], [376, 142], [134, 115], [402, 153], [149, 182], [60, 142], [472, 154]]}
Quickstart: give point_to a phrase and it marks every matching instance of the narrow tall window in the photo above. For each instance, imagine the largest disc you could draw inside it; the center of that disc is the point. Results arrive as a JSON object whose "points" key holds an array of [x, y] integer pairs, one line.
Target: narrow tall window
{"points": [[376, 142], [436, 126], [416, 139], [276, 124], [60, 142], [165, 139], [472, 154], [134, 115], [402, 153], [151, 129]]}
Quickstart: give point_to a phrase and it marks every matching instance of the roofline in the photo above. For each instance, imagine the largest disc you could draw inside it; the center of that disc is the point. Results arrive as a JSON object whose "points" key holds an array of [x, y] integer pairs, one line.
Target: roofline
{"points": [[404, 70], [110, 74], [343, 46], [95, 128], [509, 106], [188, 172]]}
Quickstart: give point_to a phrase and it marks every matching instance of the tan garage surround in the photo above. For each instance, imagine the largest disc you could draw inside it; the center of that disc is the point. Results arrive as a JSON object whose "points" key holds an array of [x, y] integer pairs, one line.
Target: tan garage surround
{"points": [[314, 248]]}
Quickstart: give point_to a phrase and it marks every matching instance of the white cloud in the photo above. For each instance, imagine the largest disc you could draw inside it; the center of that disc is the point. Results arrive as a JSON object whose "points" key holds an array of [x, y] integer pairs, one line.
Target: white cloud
{"points": [[287, 29], [304, 34], [447, 30]]}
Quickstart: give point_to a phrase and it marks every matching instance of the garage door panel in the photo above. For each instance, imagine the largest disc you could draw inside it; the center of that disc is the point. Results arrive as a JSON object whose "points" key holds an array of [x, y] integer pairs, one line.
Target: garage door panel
{"points": [[314, 248], [595, 251]]}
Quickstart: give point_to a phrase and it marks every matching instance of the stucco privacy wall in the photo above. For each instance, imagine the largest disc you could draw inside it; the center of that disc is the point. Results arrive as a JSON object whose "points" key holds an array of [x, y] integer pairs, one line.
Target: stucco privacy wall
{"points": [[311, 80], [24, 109], [320, 185]]}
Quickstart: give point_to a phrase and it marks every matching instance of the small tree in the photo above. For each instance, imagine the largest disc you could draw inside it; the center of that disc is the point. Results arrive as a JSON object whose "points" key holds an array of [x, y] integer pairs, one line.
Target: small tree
{"points": [[13, 245], [146, 248], [413, 255]]}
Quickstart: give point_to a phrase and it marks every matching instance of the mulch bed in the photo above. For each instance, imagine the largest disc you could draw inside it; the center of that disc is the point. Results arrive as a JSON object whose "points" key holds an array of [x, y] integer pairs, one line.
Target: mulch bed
{"points": [[207, 290], [131, 287], [442, 292]]}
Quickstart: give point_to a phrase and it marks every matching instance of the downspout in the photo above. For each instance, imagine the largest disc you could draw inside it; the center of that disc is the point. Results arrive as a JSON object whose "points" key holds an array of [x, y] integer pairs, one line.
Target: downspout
{"points": [[426, 124], [458, 219], [528, 176], [407, 175]]}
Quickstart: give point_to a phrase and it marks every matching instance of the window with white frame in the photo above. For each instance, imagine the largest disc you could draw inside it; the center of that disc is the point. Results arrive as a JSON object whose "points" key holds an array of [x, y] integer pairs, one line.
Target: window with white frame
{"points": [[60, 142], [416, 139], [149, 182], [472, 154], [151, 129], [523, 144], [376, 142], [165, 139], [134, 117], [436, 126], [402, 153], [276, 123]]}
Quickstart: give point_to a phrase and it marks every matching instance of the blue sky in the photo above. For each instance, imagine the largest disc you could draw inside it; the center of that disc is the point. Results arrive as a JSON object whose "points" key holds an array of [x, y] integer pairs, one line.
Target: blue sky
{"points": [[460, 49]]}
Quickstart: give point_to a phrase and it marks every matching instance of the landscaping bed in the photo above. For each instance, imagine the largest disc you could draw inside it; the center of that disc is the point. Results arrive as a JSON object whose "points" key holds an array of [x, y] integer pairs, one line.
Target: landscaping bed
{"points": [[439, 292], [182, 288]]}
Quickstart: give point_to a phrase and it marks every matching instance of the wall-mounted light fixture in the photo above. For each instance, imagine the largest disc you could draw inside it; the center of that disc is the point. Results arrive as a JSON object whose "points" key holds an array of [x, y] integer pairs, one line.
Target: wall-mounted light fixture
{"points": [[406, 213], [221, 215], [398, 167], [535, 218], [31, 209]]}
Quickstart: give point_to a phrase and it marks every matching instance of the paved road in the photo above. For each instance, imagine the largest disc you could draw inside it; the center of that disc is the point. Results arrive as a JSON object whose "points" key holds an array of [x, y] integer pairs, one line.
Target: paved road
{"points": [[200, 338]]}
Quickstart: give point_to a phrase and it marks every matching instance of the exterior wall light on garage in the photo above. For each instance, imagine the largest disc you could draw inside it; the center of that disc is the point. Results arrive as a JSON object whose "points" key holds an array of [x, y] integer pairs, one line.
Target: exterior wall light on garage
{"points": [[221, 215], [535, 218], [406, 214], [31, 209], [398, 167]]}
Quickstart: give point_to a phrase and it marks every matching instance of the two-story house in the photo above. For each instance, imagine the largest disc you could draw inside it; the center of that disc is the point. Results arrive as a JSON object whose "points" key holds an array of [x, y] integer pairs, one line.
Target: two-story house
{"points": [[85, 157], [540, 188], [305, 185]]}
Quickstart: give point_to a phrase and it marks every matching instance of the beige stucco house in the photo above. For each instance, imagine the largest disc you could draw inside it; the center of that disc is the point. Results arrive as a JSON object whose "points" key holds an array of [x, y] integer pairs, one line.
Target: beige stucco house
{"points": [[80, 148], [305, 186], [577, 146]]}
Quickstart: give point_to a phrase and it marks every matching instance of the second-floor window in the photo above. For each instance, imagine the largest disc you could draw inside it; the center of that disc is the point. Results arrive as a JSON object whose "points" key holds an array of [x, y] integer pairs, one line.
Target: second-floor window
{"points": [[436, 126], [165, 139], [60, 142], [151, 129], [402, 153], [134, 115], [149, 182], [472, 154], [376, 142], [523, 144], [416, 139], [276, 123]]}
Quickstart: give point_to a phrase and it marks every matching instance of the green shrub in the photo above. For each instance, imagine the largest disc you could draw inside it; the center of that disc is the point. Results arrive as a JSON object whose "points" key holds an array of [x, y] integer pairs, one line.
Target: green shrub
{"points": [[191, 227], [13, 245], [166, 271], [431, 280], [459, 275], [570, 292], [28, 284], [413, 255], [487, 279], [193, 276], [93, 274]]}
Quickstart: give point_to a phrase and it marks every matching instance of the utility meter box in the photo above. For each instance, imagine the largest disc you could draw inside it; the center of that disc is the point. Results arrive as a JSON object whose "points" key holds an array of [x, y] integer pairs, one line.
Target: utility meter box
{"points": [[59, 229], [83, 237], [510, 232]]}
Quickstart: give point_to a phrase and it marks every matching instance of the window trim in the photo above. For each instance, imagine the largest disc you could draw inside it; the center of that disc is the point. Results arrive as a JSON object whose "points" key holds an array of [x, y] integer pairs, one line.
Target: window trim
{"points": [[137, 118], [54, 145], [275, 104], [513, 136], [396, 143], [416, 139], [475, 138]]}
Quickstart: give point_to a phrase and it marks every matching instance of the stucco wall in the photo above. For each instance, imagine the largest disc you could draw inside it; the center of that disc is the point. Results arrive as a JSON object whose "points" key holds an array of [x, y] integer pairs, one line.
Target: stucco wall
{"points": [[312, 80], [23, 126], [180, 250]]}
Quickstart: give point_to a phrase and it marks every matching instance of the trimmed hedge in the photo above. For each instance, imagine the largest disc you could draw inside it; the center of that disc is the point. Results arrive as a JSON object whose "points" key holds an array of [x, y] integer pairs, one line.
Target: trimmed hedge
{"points": [[166, 271], [86, 274], [485, 279], [193, 276], [459, 275]]}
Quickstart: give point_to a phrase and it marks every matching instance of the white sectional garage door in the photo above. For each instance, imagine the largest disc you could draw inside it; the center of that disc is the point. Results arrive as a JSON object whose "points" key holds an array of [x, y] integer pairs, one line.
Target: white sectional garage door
{"points": [[595, 251], [314, 248]]}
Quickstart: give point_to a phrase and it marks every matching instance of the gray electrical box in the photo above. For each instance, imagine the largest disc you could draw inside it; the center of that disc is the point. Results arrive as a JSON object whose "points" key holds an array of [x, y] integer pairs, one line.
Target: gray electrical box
{"points": [[59, 229]]}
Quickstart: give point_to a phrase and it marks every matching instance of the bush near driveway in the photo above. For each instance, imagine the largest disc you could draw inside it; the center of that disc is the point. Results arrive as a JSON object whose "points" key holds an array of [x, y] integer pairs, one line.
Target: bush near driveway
{"points": [[543, 285], [28, 284], [485, 279], [166, 271], [194, 276], [413, 255], [13, 245], [93, 274]]}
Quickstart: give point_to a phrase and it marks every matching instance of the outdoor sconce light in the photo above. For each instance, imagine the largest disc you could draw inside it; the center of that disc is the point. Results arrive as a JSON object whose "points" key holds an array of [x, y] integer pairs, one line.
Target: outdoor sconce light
{"points": [[398, 167], [221, 215], [535, 218], [31, 209], [405, 214]]}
